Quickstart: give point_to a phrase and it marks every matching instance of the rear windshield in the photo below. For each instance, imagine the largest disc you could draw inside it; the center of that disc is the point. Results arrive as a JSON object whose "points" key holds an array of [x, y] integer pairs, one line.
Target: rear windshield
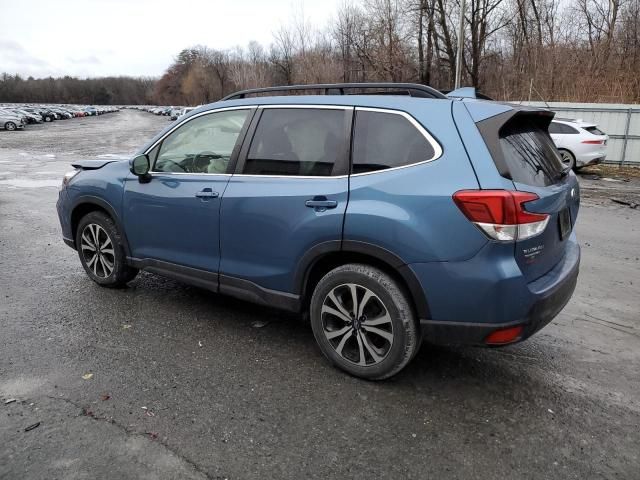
{"points": [[594, 130], [530, 154]]}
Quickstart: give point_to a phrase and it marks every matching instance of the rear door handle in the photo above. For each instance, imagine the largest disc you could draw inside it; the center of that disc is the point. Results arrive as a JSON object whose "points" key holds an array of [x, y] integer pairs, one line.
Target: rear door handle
{"points": [[321, 203], [206, 193]]}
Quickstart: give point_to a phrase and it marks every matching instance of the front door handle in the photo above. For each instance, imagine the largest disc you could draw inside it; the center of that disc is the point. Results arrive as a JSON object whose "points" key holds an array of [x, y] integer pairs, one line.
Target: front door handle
{"points": [[321, 203], [207, 193]]}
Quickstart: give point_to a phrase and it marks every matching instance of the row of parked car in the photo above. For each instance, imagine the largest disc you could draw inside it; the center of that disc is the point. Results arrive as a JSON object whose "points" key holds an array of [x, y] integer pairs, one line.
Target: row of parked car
{"points": [[168, 111], [16, 117]]}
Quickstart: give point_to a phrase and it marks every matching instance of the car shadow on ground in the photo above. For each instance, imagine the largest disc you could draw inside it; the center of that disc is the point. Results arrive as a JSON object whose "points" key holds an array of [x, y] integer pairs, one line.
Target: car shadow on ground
{"points": [[516, 371]]}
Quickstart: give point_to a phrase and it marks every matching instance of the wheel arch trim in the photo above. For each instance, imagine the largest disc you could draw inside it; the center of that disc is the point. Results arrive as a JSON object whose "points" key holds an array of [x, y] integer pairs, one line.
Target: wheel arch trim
{"points": [[104, 205], [321, 251]]}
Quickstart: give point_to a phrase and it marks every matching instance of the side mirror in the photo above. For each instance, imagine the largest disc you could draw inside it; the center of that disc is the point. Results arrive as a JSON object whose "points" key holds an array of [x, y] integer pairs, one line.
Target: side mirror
{"points": [[140, 167]]}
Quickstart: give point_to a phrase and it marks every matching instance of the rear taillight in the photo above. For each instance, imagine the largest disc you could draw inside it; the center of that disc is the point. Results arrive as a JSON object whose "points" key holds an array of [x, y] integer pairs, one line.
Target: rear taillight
{"points": [[593, 142], [500, 214]]}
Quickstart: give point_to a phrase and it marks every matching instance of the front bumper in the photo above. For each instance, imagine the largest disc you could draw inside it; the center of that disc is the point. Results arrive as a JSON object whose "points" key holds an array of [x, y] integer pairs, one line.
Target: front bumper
{"points": [[543, 298], [64, 216]]}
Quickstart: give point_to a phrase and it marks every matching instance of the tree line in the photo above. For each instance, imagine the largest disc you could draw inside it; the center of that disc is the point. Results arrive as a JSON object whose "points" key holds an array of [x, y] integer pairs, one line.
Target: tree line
{"points": [[553, 50], [71, 90]]}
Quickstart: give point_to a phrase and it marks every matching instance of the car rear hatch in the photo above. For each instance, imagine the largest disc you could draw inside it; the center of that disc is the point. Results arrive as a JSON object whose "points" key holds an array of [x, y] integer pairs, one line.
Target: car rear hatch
{"points": [[599, 137], [524, 153]]}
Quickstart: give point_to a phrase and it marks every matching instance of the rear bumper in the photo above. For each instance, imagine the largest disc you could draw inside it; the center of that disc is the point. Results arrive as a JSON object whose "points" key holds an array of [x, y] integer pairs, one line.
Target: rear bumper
{"points": [[593, 161], [590, 156], [544, 299]]}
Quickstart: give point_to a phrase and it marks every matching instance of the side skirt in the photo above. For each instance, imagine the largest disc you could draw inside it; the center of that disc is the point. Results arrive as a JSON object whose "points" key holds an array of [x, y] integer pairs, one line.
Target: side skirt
{"points": [[224, 284]]}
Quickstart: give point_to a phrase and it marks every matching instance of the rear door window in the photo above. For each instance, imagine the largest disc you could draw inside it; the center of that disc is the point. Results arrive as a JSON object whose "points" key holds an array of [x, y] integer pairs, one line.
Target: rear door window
{"points": [[562, 128], [530, 154], [298, 142], [555, 128], [385, 140]]}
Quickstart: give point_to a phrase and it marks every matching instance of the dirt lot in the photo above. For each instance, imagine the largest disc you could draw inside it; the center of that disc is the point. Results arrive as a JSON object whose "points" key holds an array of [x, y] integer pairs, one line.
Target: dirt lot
{"points": [[162, 380]]}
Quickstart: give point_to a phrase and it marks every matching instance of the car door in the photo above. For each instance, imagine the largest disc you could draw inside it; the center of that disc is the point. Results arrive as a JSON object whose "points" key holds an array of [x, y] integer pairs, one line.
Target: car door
{"points": [[288, 195], [174, 217]]}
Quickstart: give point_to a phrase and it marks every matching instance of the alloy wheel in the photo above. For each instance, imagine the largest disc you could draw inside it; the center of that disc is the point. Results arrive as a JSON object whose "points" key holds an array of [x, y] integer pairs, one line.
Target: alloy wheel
{"points": [[357, 324], [10, 126], [97, 250], [567, 159]]}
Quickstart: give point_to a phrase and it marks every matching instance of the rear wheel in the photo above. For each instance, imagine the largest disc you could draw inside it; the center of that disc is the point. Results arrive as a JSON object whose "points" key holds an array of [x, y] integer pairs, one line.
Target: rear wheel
{"points": [[101, 251], [10, 126], [363, 322], [47, 119], [568, 159]]}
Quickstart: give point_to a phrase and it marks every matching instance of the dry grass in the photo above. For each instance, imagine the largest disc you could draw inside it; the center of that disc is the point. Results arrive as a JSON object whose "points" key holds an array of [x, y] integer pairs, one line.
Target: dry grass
{"points": [[612, 171]]}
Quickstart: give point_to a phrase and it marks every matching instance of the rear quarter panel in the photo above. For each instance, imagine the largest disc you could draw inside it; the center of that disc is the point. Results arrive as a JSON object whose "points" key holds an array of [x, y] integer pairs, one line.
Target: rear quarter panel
{"points": [[410, 211]]}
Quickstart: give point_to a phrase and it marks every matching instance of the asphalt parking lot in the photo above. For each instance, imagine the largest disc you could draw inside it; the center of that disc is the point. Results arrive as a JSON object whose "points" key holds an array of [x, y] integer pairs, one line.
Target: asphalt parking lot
{"points": [[163, 380]]}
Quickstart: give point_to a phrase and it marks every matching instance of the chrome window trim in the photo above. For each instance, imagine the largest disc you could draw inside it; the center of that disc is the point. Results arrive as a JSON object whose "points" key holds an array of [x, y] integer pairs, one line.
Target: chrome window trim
{"points": [[207, 112], [437, 149], [309, 106], [331, 177], [189, 173]]}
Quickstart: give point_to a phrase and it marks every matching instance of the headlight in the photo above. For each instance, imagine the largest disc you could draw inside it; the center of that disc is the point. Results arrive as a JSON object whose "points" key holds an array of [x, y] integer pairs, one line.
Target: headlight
{"points": [[67, 178]]}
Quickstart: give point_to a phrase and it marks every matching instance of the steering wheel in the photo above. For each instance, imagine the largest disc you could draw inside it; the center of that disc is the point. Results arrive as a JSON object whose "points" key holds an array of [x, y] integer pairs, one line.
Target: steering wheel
{"points": [[209, 157], [207, 153], [176, 164]]}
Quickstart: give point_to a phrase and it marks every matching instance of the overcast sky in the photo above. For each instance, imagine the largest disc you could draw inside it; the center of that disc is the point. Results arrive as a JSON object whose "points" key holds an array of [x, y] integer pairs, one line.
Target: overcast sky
{"points": [[134, 37]]}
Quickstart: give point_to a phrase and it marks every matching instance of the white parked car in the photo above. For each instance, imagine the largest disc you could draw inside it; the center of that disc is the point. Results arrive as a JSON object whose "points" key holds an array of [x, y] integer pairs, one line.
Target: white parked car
{"points": [[10, 121], [580, 143]]}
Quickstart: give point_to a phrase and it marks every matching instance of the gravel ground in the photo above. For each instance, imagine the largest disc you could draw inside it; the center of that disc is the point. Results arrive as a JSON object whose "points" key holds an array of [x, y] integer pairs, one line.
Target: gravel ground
{"points": [[162, 380]]}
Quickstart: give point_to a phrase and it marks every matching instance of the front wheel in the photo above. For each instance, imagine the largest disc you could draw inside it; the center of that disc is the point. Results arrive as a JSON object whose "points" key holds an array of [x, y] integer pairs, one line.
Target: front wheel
{"points": [[363, 322], [101, 251], [10, 126]]}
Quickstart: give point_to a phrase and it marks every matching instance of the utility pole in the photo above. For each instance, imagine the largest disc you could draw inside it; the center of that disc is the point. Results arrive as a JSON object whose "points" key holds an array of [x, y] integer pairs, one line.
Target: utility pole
{"points": [[460, 45]]}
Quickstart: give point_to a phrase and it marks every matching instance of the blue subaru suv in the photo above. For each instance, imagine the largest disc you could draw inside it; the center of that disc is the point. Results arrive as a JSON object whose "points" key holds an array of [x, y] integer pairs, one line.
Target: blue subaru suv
{"points": [[387, 213]]}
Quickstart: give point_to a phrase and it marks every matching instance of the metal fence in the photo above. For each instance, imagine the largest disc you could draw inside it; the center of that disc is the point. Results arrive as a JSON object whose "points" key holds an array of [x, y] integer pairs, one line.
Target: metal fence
{"points": [[621, 122]]}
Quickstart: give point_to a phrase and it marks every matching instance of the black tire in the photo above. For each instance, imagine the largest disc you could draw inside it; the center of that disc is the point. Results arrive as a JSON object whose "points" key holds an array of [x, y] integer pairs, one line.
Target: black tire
{"points": [[568, 159], [10, 126], [47, 119], [401, 333], [110, 268]]}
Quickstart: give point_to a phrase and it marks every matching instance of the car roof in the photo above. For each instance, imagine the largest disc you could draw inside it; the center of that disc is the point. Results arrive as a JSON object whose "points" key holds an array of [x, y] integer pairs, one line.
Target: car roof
{"points": [[576, 123], [391, 102]]}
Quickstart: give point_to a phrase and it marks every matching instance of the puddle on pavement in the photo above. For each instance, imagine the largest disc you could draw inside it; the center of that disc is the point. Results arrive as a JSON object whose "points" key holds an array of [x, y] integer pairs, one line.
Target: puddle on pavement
{"points": [[30, 183]]}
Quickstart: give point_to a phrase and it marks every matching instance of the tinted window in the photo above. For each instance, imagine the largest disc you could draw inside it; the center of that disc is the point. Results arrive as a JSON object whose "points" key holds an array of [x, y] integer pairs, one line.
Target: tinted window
{"points": [[594, 130], [297, 141], [555, 127], [202, 145], [530, 154], [386, 140]]}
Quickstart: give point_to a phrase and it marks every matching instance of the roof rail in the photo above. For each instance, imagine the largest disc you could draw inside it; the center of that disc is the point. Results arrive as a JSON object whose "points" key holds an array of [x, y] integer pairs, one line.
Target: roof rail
{"points": [[412, 89]]}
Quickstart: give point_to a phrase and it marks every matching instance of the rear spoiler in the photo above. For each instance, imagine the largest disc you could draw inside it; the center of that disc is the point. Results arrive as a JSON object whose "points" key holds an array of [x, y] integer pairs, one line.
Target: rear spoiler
{"points": [[91, 164]]}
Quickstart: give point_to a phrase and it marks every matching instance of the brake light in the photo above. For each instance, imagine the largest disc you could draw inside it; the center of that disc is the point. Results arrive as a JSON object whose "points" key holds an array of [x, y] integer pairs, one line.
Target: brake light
{"points": [[593, 142], [500, 214]]}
